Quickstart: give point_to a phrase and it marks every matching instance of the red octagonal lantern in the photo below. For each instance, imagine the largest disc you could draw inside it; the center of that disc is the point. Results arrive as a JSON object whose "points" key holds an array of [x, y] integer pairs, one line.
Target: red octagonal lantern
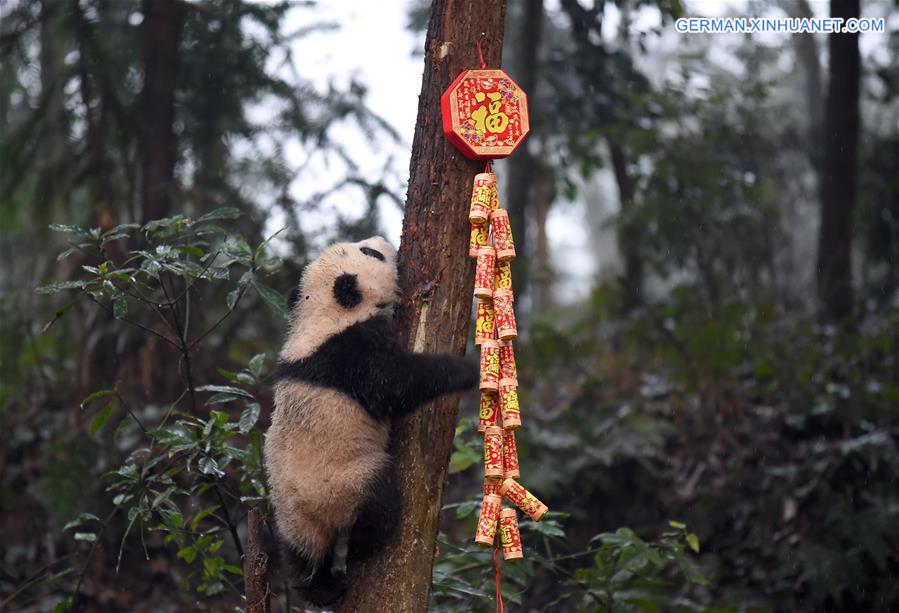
{"points": [[485, 114]]}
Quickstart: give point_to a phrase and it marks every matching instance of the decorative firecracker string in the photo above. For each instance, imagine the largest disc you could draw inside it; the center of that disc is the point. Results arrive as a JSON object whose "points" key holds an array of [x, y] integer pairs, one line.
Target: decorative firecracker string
{"points": [[485, 116]]}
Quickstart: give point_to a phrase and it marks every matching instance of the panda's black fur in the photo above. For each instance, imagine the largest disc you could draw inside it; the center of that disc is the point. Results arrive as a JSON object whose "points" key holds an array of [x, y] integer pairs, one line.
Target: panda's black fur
{"points": [[368, 365], [362, 375]]}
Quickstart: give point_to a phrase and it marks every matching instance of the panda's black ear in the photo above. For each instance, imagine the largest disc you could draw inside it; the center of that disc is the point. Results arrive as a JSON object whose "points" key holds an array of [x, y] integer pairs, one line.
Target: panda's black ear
{"points": [[292, 299], [346, 291]]}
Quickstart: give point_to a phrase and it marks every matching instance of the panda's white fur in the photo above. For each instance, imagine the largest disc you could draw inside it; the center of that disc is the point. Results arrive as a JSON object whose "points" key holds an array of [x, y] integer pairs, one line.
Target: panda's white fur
{"points": [[315, 316], [316, 489], [341, 381]]}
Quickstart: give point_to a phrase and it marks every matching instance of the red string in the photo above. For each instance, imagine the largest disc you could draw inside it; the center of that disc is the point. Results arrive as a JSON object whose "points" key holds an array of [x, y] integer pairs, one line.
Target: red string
{"points": [[487, 168], [496, 571], [481, 55]]}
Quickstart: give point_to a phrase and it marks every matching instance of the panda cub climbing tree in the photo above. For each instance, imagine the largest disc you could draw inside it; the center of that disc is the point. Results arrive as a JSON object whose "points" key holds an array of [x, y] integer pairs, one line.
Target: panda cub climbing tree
{"points": [[341, 381]]}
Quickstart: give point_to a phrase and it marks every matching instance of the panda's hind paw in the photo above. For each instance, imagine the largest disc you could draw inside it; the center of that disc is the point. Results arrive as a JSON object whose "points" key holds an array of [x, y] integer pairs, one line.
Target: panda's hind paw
{"points": [[328, 591]]}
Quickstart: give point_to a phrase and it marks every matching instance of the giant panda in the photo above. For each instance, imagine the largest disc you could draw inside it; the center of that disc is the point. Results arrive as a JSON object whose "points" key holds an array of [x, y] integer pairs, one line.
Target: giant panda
{"points": [[341, 380]]}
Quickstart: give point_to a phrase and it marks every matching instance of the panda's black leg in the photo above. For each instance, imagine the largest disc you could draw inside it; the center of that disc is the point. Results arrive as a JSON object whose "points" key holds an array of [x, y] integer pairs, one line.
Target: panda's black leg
{"points": [[326, 585], [378, 518]]}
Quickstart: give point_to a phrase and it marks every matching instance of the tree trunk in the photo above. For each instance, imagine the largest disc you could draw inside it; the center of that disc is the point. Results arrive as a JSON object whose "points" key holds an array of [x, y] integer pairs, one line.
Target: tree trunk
{"points": [[523, 167], [628, 232], [162, 24], [433, 313], [838, 176], [255, 565], [807, 54], [543, 275]]}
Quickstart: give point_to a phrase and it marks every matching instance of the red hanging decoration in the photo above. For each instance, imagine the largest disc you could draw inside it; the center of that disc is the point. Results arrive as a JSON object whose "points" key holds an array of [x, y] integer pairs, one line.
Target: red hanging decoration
{"points": [[485, 115]]}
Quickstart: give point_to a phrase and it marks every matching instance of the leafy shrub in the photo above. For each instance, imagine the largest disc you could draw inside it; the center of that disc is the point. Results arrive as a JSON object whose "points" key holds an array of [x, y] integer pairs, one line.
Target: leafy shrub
{"points": [[189, 471]]}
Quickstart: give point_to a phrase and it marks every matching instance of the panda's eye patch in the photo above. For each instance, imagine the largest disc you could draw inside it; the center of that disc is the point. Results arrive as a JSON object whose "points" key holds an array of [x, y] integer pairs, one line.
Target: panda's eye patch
{"points": [[372, 252], [346, 291]]}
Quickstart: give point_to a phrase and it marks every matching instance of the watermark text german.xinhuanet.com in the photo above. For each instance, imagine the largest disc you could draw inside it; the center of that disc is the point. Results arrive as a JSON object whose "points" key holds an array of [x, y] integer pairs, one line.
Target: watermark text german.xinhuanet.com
{"points": [[785, 25]]}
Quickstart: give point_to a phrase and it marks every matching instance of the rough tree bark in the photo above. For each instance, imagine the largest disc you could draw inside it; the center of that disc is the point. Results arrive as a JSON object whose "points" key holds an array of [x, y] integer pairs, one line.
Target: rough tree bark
{"points": [[255, 565], [161, 32], [839, 169], [436, 277]]}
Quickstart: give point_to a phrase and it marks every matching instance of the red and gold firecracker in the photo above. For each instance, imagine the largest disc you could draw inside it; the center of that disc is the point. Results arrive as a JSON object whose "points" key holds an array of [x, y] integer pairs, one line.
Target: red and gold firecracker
{"points": [[489, 365], [511, 470], [483, 194], [484, 325], [489, 411], [502, 235], [493, 452], [502, 277], [504, 319], [509, 407], [479, 237], [510, 535], [483, 273], [523, 499], [488, 520], [507, 369], [492, 485]]}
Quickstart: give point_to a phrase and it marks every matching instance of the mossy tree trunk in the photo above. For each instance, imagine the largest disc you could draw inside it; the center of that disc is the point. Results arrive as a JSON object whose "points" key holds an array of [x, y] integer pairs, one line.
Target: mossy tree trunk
{"points": [[436, 277]]}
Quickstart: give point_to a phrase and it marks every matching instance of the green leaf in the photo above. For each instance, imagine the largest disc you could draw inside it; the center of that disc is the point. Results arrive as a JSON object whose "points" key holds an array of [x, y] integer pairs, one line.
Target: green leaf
{"points": [[257, 363], [163, 496], [202, 515], [101, 418], [691, 572], [121, 228], [95, 396], [65, 254], [222, 398], [676, 524], [272, 298], [545, 527], [57, 576], [83, 517], [644, 604], [467, 508], [76, 230], [190, 249], [463, 457], [245, 378], [215, 588], [209, 466], [248, 418], [693, 541], [52, 288], [63, 606], [226, 389], [220, 417], [228, 212], [119, 307], [188, 554]]}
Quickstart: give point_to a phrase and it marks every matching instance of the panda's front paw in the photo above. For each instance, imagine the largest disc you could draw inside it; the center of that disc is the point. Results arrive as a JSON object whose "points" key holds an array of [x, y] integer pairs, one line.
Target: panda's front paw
{"points": [[467, 375]]}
